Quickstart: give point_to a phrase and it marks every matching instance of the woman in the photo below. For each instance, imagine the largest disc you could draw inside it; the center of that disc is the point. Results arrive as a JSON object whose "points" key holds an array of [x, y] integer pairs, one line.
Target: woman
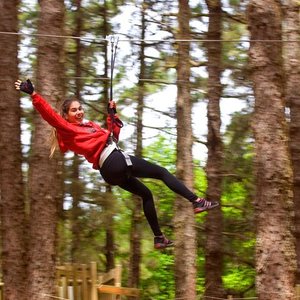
{"points": [[98, 146]]}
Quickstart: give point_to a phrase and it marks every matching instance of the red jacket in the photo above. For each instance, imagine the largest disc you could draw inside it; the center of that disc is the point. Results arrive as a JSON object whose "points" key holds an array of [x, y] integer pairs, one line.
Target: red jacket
{"points": [[87, 139]]}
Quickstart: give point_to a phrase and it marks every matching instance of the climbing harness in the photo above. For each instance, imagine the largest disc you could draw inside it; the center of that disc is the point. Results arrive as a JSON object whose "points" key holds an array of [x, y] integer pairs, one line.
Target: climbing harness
{"points": [[111, 142]]}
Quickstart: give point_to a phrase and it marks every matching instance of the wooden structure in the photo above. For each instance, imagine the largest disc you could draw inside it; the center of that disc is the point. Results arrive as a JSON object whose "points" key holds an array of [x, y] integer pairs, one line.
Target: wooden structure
{"points": [[82, 282]]}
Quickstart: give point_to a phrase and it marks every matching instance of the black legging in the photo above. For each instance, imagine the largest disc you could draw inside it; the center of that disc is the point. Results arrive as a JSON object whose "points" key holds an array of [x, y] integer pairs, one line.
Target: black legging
{"points": [[115, 172]]}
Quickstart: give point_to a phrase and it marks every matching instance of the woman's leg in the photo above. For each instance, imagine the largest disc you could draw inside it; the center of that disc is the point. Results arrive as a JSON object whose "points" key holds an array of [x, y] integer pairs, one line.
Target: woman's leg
{"points": [[144, 169], [115, 172], [134, 186]]}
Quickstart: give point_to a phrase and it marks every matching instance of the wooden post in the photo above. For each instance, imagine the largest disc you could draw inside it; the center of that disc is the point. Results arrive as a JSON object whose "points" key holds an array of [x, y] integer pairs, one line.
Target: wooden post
{"points": [[84, 282], [1, 290], [94, 291], [229, 297], [298, 292], [75, 282], [64, 284], [68, 277], [118, 275], [118, 279]]}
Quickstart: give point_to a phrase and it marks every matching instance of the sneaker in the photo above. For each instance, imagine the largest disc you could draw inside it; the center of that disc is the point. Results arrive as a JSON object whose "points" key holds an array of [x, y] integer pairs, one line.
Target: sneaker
{"points": [[161, 242], [202, 204]]}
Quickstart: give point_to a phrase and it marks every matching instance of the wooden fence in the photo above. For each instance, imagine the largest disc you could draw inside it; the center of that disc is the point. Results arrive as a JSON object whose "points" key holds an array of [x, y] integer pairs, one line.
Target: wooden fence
{"points": [[82, 282]]}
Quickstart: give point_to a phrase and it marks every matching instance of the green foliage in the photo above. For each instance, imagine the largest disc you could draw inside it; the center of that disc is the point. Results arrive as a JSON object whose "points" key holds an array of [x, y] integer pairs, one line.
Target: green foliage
{"points": [[239, 278], [158, 279]]}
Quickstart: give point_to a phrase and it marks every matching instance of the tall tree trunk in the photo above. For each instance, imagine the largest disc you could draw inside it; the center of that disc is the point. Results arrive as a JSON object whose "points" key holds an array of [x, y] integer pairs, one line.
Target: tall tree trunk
{"points": [[44, 184], [214, 221], [110, 235], [11, 182], [292, 71], [135, 240], [76, 191], [275, 251], [184, 220]]}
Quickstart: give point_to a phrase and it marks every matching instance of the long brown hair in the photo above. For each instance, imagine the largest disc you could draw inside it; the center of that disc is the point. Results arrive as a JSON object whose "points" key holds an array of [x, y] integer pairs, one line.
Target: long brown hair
{"points": [[64, 109]]}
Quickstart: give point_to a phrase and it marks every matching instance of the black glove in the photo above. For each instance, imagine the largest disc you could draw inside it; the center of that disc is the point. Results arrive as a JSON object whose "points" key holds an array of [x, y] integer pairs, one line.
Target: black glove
{"points": [[27, 87], [111, 107]]}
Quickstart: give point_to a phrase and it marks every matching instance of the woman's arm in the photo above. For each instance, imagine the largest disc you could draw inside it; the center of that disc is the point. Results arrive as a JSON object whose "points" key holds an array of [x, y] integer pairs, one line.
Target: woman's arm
{"points": [[48, 113], [42, 106]]}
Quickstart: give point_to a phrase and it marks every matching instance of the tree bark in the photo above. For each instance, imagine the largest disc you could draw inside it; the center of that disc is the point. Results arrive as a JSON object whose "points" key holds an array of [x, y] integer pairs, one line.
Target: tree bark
{"points": [[275, 251], [184, 220], [110, 234], [44, 177], [11, 182], [136, 222], [214, 220], [76, 190], [292, 71]]}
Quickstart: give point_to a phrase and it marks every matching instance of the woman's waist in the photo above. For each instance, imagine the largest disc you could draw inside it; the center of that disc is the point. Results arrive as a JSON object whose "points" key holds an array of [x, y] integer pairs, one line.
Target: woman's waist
{"points": [[106, 152]]}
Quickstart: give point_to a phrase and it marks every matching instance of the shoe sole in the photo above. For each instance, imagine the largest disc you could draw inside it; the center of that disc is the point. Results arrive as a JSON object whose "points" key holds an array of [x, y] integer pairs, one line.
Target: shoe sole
{"points": [[199, 210], [162, 246]]}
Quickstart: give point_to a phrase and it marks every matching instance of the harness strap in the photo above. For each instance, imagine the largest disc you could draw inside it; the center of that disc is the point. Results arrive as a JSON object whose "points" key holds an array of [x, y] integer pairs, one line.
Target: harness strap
{"points": [[127, 159], [110, 146]]}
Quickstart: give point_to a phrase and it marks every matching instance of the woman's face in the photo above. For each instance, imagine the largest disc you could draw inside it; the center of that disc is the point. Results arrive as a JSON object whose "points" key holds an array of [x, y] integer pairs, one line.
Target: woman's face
{"points": [[75, 113]]}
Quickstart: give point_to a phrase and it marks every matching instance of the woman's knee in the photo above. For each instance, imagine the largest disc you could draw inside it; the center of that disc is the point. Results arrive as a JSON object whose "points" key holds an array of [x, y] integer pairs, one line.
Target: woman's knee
{"points": [[146, 194]]}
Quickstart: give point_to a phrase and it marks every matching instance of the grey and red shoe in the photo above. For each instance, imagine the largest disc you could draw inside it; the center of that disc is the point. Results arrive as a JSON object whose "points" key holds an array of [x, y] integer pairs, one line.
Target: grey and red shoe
{"points": [[161, 242], [201, 205]]}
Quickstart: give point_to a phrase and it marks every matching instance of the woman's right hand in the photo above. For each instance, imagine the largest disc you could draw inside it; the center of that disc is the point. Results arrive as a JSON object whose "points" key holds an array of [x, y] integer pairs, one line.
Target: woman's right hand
{"points": [[25, 86]]}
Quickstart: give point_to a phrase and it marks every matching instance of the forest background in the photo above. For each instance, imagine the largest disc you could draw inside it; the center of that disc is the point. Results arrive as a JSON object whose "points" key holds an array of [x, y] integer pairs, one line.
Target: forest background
{"points": [[172, 59]]}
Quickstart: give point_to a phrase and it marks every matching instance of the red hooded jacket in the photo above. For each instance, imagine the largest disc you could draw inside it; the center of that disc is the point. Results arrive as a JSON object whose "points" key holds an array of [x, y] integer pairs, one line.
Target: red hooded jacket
{"points": [[87, 138]]}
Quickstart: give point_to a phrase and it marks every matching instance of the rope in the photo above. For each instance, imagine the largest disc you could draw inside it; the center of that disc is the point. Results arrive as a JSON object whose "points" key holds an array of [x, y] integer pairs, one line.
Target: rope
{"points": [[90, 40], [113, 41], [114, 45]]}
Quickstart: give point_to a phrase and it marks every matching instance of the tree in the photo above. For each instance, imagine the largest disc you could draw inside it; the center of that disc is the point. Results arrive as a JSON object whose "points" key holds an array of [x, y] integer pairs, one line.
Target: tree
{"points": [[135, 234], [184, 220], [214, 221], [292, 71], [76, 191], [275, 253], [44, 175], [13, 226]]}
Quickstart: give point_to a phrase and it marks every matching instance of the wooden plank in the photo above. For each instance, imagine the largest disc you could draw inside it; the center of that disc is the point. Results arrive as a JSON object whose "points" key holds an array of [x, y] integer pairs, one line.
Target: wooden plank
{"points": [[75, 281], [84, 282], [298, 292], [93, 269], [117, 290]]}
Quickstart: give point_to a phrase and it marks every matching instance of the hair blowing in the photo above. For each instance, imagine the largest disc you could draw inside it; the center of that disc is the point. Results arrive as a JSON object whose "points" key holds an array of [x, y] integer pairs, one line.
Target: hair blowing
{"points": [[53, 135]]}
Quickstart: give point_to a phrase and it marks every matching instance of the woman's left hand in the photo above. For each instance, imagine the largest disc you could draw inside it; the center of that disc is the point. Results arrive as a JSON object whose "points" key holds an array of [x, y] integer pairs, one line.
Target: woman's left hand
{"points": [[112, 105]]}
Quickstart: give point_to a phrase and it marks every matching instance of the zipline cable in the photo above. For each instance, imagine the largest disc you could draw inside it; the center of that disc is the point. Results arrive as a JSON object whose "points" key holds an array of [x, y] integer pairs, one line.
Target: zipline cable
{"points": [[113, 40], [165, 40]]}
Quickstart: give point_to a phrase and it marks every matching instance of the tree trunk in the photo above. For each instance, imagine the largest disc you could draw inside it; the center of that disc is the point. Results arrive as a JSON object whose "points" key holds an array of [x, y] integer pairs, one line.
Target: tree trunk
{"points": [[214, 220], [109, 207], [135, 240], [275, 251], [44, 179], [11, 181], [184, 220], [76, 191], [292, 71]]}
